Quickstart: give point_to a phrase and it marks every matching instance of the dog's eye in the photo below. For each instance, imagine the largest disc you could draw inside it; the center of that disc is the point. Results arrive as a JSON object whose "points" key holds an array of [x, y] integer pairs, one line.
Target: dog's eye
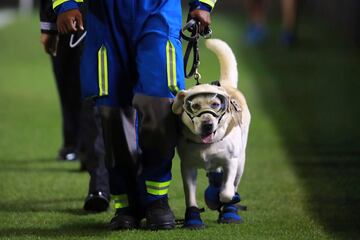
{"points": [[195, 106], [215, 105]]}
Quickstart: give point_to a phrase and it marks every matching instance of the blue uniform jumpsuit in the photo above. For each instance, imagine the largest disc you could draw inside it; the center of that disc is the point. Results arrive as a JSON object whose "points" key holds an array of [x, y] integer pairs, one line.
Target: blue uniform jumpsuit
{"points": [[132, 60]]}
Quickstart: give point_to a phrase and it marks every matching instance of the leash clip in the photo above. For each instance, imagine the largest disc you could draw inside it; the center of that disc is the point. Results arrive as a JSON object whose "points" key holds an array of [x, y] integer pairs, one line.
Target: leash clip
{"points": [[73, 44], [197, 76]]}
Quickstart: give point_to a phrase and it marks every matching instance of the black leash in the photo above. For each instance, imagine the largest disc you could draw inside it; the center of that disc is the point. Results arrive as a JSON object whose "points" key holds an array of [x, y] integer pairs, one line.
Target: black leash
{"points": [[193, 27]]}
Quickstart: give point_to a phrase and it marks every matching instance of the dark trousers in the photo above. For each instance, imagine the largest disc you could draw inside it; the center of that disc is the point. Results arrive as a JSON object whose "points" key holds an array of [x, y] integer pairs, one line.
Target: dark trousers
{"points": [[122, 155], [67, 76]]}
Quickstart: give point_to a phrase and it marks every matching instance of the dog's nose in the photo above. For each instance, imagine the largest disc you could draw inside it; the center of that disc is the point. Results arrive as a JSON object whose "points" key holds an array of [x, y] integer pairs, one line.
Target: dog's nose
{"points": [[207, 127]]}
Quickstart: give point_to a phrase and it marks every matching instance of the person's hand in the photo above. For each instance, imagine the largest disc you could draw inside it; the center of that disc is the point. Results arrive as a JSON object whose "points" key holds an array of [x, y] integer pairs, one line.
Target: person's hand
{"points": [[203, 17], [70, 21], [49, 42]]}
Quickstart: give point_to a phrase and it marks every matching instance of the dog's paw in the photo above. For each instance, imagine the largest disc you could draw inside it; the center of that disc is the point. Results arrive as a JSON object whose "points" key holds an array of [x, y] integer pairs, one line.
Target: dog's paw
{"points": [[226, 196]]}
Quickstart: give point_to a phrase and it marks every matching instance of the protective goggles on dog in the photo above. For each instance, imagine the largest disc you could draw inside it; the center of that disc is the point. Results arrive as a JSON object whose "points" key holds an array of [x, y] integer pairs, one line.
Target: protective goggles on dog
{"points": [[206, 102]]}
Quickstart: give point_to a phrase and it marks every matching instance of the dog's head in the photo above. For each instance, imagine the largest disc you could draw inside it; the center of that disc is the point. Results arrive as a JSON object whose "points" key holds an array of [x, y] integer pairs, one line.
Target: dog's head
{"points": [[204, 110]]}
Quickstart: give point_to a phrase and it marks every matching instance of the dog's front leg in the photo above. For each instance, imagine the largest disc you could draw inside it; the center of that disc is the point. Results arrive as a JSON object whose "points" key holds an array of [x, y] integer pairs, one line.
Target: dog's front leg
{"points": [[240, 170], [228, 189], [189, 176]]}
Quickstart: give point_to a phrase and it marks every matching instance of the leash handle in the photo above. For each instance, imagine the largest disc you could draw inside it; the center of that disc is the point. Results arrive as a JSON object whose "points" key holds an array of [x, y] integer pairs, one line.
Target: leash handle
{"points": [[193, 27], [73, 44], [193, 39], [189, 26]]}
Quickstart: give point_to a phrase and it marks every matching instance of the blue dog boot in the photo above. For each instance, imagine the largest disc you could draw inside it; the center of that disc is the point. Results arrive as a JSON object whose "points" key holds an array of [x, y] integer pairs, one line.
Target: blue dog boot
{"points": [[193, 219], [229, 214], [236, 198], [211, 197]]}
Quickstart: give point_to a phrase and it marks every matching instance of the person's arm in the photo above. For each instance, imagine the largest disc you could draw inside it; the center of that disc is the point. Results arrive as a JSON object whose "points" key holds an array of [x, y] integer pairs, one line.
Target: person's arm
{"points": [[49, 37], [47, 17], [200, 11], [69, 16]]}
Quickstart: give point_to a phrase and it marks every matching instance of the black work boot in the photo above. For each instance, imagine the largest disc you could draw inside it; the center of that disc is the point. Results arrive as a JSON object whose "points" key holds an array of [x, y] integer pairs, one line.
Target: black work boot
{"points": [[96, 202], [159, 215], [124, 218]]}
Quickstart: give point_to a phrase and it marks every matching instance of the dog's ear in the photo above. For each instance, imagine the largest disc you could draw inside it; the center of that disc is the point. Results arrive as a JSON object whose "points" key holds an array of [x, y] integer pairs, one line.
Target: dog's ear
{"points": [[178, 103]]}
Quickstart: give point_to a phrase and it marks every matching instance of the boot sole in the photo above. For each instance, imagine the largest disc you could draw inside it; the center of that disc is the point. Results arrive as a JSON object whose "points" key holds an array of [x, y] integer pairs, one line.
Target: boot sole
{"points": [[96, 204], [164, 226], [123, 226], [230, 221]]}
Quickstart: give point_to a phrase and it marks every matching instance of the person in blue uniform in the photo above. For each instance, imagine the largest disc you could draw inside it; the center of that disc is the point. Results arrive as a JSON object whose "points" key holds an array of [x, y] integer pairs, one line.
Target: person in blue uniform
{"points": [[132, 66]]}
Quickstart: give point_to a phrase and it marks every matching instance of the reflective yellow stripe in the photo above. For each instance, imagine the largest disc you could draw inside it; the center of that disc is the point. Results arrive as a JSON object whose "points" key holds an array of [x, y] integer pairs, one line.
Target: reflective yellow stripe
{"points": [[171, 67], [209, 2], [157, 188], [103, 71], [58, 2], [157, 192], [120, 201], [158, 184]]}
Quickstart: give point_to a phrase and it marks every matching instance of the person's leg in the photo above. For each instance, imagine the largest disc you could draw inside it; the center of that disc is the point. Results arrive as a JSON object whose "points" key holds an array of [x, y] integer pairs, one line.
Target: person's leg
{"points": [[289, 15], [256, 11], [93, 158], [153, 54], [158, 80], [66, 69], [106, 74], [255, 33], [118, 126]]}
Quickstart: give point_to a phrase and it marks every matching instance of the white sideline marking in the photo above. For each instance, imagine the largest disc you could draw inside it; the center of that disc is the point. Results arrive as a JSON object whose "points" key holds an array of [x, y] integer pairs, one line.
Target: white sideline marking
{"points": [[6, 17]]}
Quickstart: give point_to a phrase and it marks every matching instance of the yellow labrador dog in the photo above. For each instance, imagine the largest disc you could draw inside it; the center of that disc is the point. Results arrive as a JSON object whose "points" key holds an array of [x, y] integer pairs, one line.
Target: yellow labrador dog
{"points": [[215, 129]]}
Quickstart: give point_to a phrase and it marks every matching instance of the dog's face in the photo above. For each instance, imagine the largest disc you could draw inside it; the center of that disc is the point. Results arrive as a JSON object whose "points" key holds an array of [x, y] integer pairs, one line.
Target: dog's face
{"points": [[204, 111]]}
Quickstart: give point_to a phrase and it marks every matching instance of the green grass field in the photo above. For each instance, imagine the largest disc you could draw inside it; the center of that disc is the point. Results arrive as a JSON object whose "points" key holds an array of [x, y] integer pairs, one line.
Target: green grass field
{"points": [[302, 174]]}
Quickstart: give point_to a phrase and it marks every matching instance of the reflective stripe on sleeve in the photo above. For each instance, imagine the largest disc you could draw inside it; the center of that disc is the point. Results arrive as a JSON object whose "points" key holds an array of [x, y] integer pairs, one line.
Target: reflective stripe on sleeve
{"points": [[211, 3], [59, 2], [48, 26]]}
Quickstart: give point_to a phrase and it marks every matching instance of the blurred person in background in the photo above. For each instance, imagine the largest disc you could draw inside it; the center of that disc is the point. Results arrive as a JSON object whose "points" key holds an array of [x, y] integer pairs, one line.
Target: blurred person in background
{"points": [[82, 134], [256, 31], [65, 64]]}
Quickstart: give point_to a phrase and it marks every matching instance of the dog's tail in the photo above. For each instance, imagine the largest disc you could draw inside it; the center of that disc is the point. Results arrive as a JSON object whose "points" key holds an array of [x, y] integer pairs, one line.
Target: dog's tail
{"points": [[228, 66]]}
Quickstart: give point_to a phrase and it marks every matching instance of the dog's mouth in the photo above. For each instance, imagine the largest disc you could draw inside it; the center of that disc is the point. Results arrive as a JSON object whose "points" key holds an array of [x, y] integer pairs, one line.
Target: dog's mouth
{"points": [[207, 138]]}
